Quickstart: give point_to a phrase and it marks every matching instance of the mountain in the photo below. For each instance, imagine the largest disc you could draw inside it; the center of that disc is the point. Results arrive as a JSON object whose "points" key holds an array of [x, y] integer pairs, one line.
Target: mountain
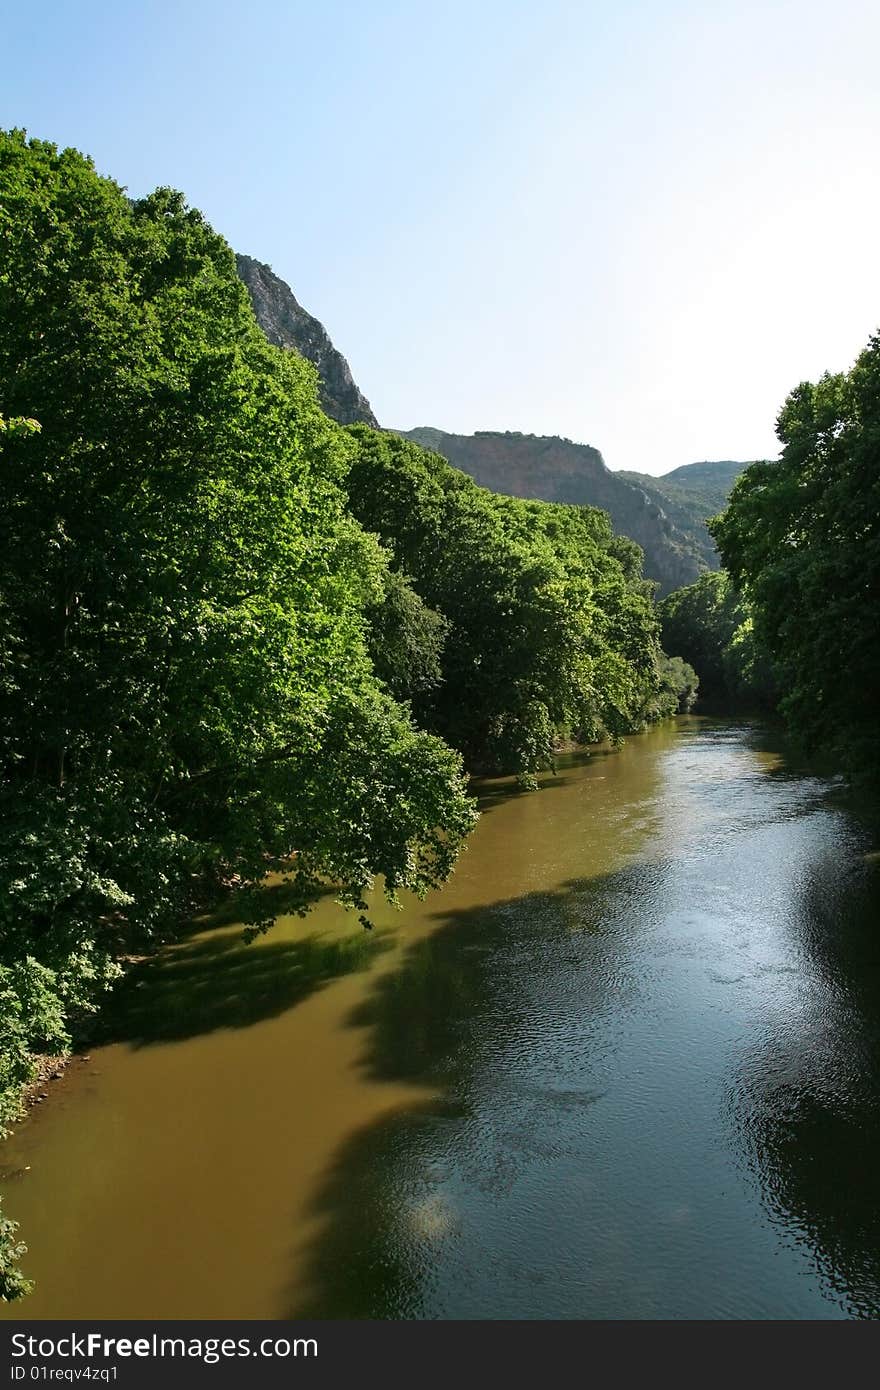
{"points": [[287, 324], [664, 515], [689, 495], [714, 479]]}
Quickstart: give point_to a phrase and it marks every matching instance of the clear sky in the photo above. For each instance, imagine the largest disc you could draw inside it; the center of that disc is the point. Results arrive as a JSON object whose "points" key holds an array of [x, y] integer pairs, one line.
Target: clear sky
{"points": [[636, 224]]}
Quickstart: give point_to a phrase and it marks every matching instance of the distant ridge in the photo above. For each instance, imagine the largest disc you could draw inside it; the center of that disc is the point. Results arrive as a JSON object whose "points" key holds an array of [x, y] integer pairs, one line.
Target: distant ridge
{"points": [[666, 516], [689, 495]]}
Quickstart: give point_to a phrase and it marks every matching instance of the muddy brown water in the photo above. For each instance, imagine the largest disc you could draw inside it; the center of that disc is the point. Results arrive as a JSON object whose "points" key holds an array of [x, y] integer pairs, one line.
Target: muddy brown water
{"points": [[626, 1064]]}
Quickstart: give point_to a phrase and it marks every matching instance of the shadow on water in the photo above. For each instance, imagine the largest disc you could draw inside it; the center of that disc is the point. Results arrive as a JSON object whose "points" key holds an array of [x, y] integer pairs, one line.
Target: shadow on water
{"points": [[278, 899], [212, 978], [585, 1049], [224, 982], [439, 1021], [807, 1098], [494, 791]]}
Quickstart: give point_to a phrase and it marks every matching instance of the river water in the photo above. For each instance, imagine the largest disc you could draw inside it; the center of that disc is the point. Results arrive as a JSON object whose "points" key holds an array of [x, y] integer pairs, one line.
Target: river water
{"points": [[625, 1065]]}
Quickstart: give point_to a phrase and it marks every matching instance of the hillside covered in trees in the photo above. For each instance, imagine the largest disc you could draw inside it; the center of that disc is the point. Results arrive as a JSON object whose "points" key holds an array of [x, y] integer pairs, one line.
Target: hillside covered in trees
{"points": [[690, 496], [235, 636], [733, 626], [665, 516]]}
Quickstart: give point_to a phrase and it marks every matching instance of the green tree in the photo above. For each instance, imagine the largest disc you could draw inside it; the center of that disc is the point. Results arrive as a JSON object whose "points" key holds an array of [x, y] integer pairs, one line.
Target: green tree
{"points": [[14, 1041], [679, 684], [13, 1284], [406, 640], [186, 694], [801, 539], [551, 631], [711, 627]]}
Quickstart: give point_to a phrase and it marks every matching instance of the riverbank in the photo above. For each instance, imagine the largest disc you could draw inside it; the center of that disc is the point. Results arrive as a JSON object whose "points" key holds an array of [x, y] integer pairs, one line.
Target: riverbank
{"points": [[47, 1070], [89, 1030]]}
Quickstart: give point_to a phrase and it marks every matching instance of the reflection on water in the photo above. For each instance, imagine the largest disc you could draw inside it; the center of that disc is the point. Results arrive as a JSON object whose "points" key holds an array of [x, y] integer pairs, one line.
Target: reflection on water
{"points": [[807, 1094], [624, 1065]]}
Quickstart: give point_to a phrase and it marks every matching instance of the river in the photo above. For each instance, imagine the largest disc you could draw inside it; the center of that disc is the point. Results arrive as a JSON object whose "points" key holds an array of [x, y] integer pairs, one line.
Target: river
{"points": [[625, 1065]]}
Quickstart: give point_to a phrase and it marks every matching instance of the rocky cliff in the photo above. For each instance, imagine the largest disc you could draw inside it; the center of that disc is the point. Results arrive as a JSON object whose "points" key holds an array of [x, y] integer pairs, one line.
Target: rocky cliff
{"points": [[287, 324]]}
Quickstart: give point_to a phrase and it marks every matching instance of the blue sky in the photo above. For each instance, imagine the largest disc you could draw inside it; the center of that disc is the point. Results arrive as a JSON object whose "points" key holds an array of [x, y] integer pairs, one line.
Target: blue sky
{"points": [[635, 224]]}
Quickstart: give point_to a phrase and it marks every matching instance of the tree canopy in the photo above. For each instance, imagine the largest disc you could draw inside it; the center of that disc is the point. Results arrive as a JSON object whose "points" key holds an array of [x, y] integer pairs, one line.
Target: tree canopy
{"points": [[551, 631], [801, 539], [187, 693], [711, 627]]}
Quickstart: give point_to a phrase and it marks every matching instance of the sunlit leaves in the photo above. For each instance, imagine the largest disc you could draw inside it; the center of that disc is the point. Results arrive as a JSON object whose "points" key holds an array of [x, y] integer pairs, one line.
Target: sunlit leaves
{"points": [[551, 631], [801, 539], [186, 693]]}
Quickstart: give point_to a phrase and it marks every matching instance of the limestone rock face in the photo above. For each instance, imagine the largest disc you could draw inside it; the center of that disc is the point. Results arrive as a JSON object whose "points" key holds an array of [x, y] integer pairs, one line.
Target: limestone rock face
{"points": [[287, 324]]}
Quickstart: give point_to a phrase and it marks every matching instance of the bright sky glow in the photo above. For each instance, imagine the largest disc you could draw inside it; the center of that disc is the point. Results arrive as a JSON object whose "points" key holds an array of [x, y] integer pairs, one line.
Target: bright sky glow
{"points": [[636, 224]]}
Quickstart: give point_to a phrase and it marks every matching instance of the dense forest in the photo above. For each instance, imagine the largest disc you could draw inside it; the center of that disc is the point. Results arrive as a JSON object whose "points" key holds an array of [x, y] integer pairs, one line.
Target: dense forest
{"points": [[552, 631], [238, 638], [671, 532]]}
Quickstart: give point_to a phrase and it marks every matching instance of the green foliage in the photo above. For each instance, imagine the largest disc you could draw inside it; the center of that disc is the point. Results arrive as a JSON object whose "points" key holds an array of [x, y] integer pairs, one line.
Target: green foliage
{"points": [[698, 623], [13, 1284], [20, 1017], [550, 624], [18, 425], [679, 684], [186, 693], [406, 639], [710, 626], [801, 539]]}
